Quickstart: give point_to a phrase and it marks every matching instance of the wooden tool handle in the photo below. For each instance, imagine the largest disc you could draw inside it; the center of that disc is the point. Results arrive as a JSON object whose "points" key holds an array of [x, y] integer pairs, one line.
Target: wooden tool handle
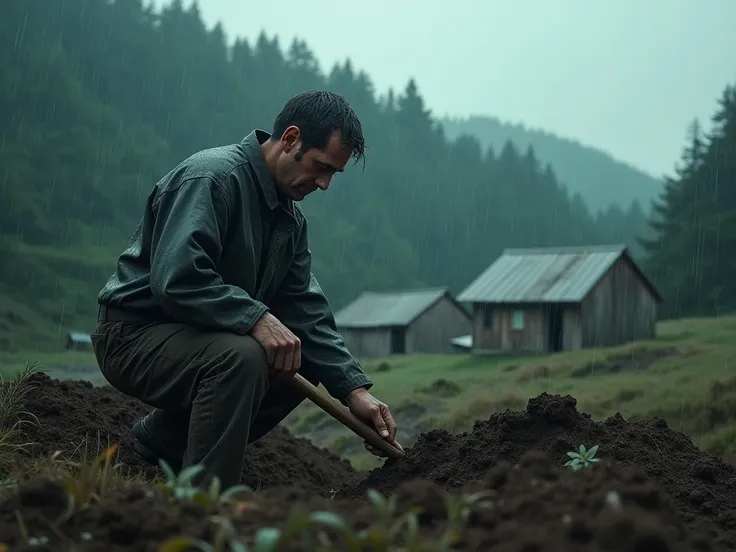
{"points": [[344, 416]]}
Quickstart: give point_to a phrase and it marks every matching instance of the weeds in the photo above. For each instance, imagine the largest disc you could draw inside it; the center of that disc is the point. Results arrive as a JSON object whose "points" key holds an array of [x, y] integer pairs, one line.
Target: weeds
{"points": [[178, 487], [326, 531], [13, 416], [90, 484], [226, 539]]}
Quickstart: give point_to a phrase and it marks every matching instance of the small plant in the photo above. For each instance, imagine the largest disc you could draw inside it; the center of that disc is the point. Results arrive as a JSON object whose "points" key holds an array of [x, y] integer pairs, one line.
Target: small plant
{"points": [[582, 458], [179, 487]]}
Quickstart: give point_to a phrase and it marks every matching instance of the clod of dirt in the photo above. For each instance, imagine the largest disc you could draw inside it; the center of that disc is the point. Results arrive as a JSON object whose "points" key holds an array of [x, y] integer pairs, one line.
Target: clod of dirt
{"points": [[552, 424], [533, 506], [76, 415]]}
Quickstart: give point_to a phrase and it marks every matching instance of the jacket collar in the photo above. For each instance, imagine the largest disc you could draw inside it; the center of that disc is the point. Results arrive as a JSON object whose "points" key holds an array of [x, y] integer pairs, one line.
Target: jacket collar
{"points": [[252, 146]]}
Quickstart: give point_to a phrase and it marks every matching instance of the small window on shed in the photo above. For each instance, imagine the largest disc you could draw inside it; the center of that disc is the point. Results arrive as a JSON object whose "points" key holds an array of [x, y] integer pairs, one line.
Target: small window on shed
{"points": [[488, 318], [517, 320]]}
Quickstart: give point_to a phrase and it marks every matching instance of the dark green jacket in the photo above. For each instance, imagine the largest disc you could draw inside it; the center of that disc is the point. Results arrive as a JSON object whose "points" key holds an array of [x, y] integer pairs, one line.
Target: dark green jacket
{"points": [[217, 248]]}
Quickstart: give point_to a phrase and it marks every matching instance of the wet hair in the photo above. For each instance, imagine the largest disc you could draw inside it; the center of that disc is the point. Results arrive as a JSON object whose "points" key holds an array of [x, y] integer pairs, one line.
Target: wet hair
{"points": [[318, 114]]}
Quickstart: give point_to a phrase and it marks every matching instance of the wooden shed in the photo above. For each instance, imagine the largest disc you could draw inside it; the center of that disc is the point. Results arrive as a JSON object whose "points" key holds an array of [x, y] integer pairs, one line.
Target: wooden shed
{"points": [[78, 341], [561, 299], [380, 324]]}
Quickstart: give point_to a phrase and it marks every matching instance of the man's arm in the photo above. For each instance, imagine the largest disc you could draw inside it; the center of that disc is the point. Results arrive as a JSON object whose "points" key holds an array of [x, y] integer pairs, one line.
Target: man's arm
{"points": [[186, 245], [303, 308]]}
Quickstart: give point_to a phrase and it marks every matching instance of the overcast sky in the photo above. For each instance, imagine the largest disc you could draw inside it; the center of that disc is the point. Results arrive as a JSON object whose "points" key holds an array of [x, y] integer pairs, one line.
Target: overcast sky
{"points": [[625, 76]]}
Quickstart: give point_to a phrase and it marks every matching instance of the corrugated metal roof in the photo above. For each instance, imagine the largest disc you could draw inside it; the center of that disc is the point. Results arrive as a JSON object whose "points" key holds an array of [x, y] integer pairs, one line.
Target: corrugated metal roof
{"points": [[547, 275], [374, 309]]}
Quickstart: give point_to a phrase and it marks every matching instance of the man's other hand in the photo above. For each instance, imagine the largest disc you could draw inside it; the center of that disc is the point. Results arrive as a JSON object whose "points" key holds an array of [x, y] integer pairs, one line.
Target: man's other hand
{"points": [[375, 413], [283, 348]]}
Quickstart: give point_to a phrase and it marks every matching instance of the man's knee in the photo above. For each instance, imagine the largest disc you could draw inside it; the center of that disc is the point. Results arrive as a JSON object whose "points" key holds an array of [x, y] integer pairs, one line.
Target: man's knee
{"points": [[248, 350], [244, 355]]}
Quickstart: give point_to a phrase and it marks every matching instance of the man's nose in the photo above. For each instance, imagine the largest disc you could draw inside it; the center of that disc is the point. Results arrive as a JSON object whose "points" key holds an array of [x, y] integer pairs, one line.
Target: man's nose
{"points": [[323, 182]]}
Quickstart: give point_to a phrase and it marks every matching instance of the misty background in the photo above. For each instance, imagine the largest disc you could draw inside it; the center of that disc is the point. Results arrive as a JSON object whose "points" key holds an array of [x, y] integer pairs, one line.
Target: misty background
{"points": [[490, 126]]}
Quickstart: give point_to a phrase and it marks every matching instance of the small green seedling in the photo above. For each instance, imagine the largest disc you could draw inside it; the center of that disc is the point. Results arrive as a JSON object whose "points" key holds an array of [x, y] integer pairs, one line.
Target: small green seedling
{"points": [[583, 458]]}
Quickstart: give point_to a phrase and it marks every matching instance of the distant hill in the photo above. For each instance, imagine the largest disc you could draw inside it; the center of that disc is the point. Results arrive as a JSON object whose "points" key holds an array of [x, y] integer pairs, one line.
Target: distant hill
{"points": [[599, 178]]}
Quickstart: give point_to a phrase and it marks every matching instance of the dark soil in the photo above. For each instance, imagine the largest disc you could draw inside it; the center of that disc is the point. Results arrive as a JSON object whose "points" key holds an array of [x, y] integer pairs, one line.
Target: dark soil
{"points": [[532, 507], [701, 486], [653, 491], [74, 415]]}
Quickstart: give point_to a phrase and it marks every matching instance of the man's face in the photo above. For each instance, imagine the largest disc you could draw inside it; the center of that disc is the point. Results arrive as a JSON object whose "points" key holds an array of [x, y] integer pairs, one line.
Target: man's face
{"points": [[298, 173]]}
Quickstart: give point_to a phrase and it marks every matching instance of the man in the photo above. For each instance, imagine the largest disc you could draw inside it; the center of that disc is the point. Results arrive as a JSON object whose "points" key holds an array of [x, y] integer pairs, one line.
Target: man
{"points": [[213, 306]]}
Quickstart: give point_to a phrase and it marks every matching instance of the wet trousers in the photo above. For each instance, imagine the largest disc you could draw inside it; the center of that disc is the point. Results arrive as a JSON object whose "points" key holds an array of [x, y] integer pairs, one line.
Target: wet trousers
{"points": [[210, 391]]}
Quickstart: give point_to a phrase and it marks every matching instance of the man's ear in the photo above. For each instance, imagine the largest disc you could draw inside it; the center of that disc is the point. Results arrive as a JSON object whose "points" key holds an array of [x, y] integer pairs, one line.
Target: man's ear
{"points": [[291, 138]]}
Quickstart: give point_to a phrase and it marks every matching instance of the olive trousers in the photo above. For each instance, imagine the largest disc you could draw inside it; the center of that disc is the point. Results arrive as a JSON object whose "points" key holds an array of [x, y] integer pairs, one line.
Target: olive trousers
{"points": [[210, 392]]}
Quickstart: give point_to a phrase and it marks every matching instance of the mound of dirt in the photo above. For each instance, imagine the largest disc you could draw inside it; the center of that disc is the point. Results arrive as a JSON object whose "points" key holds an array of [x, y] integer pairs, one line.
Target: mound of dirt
{"points": [[702, 487], [652, 491], [75, 415], [534, 506]]}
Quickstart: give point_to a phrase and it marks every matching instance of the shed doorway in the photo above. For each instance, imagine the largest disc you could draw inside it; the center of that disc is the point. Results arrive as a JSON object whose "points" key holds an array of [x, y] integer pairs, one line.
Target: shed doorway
{"points": [[555, 320], [398, 341]]}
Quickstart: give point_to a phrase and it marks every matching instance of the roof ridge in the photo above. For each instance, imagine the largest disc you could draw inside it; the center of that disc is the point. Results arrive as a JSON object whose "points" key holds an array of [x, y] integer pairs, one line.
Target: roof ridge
{"points": [[405, 291], [557, 250], [382, 308]]}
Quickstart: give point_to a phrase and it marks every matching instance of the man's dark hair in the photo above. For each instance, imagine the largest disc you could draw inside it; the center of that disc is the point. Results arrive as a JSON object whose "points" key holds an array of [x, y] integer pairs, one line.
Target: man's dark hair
{"points": [[318, 114]]}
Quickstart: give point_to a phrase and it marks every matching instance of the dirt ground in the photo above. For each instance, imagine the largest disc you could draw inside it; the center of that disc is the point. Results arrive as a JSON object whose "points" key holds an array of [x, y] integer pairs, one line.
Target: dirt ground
{"points": [[652, 491]]}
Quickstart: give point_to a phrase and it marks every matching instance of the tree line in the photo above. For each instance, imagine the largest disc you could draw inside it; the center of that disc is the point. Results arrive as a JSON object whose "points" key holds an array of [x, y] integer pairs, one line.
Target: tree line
{"points": [[100, 99], [692, 243]]}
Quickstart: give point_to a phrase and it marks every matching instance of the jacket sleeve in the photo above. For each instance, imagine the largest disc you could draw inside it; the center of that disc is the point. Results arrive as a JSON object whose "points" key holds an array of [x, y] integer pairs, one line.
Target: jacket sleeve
{"points": [[191, 222], [303, 308]]}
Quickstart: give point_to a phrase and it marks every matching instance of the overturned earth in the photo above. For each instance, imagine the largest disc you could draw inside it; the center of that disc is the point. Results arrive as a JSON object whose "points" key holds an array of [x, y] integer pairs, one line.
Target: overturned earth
{"points": [[652, 490]]}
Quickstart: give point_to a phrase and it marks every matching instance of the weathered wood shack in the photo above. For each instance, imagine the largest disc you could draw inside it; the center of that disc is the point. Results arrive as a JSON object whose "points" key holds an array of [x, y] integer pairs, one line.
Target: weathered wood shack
{"points": [[561, 299], [380, 324], [78, 341]]}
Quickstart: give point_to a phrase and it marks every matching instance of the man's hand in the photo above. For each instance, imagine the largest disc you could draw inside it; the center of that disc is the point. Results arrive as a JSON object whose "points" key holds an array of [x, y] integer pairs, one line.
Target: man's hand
{"points": [[372, 411], [283, 348]]}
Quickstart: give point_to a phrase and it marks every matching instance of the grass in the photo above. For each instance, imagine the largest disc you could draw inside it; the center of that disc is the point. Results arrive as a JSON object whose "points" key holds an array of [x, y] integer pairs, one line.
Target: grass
{"points": [[46, 291], [13, 416], [687, 375]]}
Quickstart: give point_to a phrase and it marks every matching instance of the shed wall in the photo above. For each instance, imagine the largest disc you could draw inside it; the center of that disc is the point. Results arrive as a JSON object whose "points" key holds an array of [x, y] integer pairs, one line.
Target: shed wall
{"points": [[619, 309], [432, 331], [367, 342], [501, 337]]}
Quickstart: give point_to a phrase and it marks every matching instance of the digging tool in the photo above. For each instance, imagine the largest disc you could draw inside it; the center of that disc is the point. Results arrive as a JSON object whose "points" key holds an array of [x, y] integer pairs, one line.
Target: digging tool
{"points": [[345, 417]]}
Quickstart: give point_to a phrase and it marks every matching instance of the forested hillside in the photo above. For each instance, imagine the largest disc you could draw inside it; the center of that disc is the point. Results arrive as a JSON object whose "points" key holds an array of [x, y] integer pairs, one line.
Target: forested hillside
{"points": [[99, 99], [599, 178], [691, 254]]}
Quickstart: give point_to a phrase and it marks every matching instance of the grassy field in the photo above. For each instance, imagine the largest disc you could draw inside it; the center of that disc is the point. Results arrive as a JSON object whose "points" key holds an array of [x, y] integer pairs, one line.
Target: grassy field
{"points": [[686, 376], [45, 291]]}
